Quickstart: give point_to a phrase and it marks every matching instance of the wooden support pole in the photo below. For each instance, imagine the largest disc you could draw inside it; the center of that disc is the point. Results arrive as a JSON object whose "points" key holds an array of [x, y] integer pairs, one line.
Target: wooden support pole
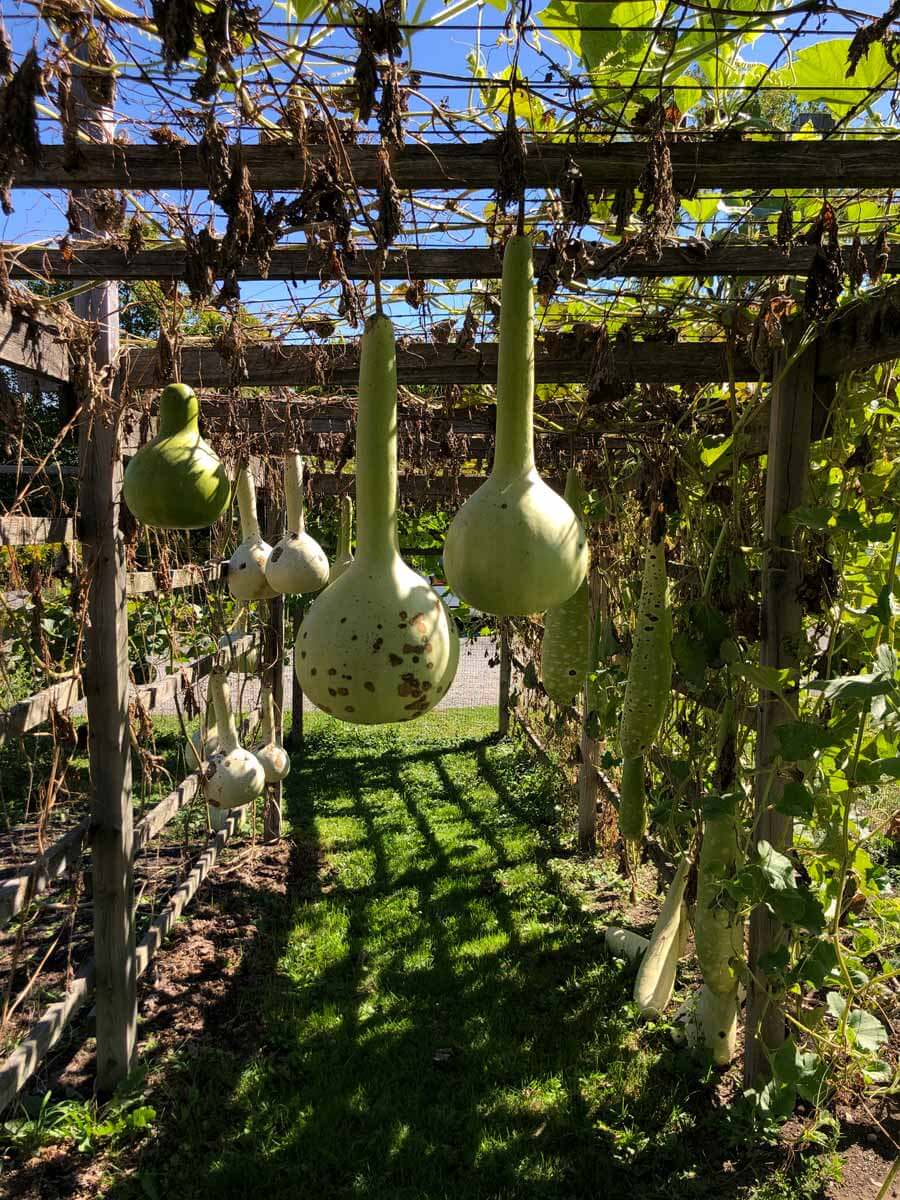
{"points": [[588, 780], [274, 652], [296, 734], [787, 473], [106, 664], [505, 674]]}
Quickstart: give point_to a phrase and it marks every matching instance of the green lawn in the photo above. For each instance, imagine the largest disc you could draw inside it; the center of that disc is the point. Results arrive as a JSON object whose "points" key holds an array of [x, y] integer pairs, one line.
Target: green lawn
{"points": [[430, 1012]]}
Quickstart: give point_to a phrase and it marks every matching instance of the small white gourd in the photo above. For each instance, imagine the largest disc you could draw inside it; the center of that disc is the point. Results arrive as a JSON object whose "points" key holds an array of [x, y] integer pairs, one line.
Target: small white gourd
{"points": [[272, 755], [655, 980], [344, 556], [297, 563], [233, 775], [247, 566]]}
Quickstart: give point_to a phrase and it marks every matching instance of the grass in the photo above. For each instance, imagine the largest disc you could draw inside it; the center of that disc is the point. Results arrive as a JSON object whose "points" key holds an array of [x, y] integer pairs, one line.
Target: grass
{"points": [[430, 1012]]}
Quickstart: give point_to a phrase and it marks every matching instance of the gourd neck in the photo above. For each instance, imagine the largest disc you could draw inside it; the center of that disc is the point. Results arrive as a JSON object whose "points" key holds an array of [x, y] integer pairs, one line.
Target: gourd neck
{"points": [[246, 498], [574, 493], [514, 448], [209, 720], [346, 533], [267, 716], [376, 444], [179, 411], [293, 493], [225, 726]]}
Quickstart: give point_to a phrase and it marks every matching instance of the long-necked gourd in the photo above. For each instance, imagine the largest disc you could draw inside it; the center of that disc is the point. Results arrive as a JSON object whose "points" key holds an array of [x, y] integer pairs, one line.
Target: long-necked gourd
{"points": [[649, 682], [655, 980], [625, 943], [247, 566], [205, 739], [244, 660], [233, 776], [344, 556], [271, 753], [565, 646], [515, 547], [297, 563], [176, 481], [377, 645]]}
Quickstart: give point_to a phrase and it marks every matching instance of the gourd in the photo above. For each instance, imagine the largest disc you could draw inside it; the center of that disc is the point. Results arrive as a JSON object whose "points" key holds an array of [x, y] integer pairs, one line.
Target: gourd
{"points": [[297, 563], [718, 931], [378, 644], [233, 775], [515, 547], [344, 555], [717, 1019], [247, 566], [205, 739], [248, 660], [565, 647], [274, 758], [655, 980], [176, 481], [649, 682], [624, 943]]}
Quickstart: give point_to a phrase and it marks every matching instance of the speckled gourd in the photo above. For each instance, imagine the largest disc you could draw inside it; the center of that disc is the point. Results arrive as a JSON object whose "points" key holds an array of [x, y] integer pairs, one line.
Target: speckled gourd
{"points": [[272, 755], [297, 563], [655, 980], [344, 555], [565, 646], [377, 645], [176, 481], [247, 566], [233, 776], [515, 547]]}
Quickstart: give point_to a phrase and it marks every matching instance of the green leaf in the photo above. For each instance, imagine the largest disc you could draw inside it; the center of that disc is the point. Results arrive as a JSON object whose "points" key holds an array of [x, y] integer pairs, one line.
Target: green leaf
{"points": [[777, 869], [795, 801], [847, 688], [821, 70], [878, 769], [819, 964], [690, 655], [767, 679], [868, 1031], [799, 740]]}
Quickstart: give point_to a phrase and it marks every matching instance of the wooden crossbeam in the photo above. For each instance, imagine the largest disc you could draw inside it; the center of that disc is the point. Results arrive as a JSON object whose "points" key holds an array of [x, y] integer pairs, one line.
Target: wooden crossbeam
{"points": [[861, 334], [31, 713], [153, 823], [32, 347], [148, 583], [698, 260], [36, 531], [706, 163], [161, 691], [287, 364], [37, 876]]}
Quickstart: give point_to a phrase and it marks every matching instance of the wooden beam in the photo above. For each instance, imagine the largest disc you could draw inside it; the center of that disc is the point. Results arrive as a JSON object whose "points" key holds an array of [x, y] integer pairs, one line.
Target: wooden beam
{"points": [[299, 263], [707, 163], [36, 710], [864, 332], [291, 365], [34, 879], [149, 583], [32, 347], [36, 531], [155, 821], [161, 691]]}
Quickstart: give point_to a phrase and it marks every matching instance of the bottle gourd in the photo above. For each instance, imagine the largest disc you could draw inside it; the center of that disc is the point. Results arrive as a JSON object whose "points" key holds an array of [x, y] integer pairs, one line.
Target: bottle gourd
{"points": [[515, 547], [176, 481], [274, 758], [297, 563], [655, 980], [247, 566], [377, 645], [344, 556], [233, 775], [565, 646]]}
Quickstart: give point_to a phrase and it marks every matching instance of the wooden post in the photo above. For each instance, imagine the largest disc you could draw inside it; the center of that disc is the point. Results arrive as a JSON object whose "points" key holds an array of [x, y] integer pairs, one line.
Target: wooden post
{"points": [[787, 473], [295, 737], [588, 779], [274, 654], [505, 673], [106, 662]]}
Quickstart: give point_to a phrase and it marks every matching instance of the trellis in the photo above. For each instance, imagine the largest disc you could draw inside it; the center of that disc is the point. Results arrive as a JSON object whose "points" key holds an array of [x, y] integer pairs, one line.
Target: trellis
{"points": [[862, 334]]}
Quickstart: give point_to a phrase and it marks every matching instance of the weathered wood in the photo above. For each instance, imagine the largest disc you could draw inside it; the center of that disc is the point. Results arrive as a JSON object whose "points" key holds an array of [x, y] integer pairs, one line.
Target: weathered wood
{"points": [[295, 736], [162, 691], [505, 676], [588, 782], [864, 332], [36, 531], [332, 365], [707, 163], [162, 924], [32, 347], [106, 659], [787, 474], [273, 634], [16, 893], [148, 583], [18, 1068], [36, 710], [155, 821], [698, 260]]}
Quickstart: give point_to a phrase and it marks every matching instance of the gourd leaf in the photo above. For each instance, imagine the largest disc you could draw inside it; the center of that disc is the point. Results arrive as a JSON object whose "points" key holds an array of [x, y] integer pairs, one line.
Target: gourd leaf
{"points": [[795, 801], [777, 868], [690, 655], [801, 739], [880, 768], [868, 1032]]}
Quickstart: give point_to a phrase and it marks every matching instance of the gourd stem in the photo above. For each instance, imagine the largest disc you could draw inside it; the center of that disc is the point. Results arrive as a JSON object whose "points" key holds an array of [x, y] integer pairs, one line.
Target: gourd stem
{"points": [[346, 533], [225, 726], [246, 498], [267, 715], [514, 453], [376, 444], [293, 493]]}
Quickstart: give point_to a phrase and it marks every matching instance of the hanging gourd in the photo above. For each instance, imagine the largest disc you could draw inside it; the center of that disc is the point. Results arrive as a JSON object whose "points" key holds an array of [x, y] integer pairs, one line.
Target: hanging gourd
{"points": [[378, 644], [565, 647], [297, 563], [177, 481], [515, 547], [655, 980], [272, 755], [649, 682], [233, 776], [344, 556], [247, 566], [205, 739], [246, 661]]}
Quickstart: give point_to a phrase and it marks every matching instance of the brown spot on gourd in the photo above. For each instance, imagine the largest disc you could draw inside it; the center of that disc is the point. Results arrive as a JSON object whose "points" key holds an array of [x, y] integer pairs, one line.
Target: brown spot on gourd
{"points": [[303, 654], [277, 553], [332, 670], [332, 692], [419, 624], [377, 644], [403, 613], [395, 660], [325, 708], [409, 648], [349, 708], [313, 671], [369, 686], [430, 666], [343, 691]]}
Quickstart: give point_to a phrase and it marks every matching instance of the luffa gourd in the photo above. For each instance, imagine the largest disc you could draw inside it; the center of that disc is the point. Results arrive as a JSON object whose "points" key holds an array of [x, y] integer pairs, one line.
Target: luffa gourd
{"points": [[233, 776], [515, 547], [297, 563], [377, 645], [565, 646], [344, 555], [655, 980], [176, 481], [272, 755], [247, 566]]}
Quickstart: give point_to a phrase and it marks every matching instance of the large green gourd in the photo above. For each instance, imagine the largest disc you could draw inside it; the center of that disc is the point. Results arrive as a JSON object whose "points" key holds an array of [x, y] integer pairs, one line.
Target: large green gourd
{"points": [[633, 800], [176, 481], [344, 556], [377, 645], [515, 547], [565, 648], [718, 930]]}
